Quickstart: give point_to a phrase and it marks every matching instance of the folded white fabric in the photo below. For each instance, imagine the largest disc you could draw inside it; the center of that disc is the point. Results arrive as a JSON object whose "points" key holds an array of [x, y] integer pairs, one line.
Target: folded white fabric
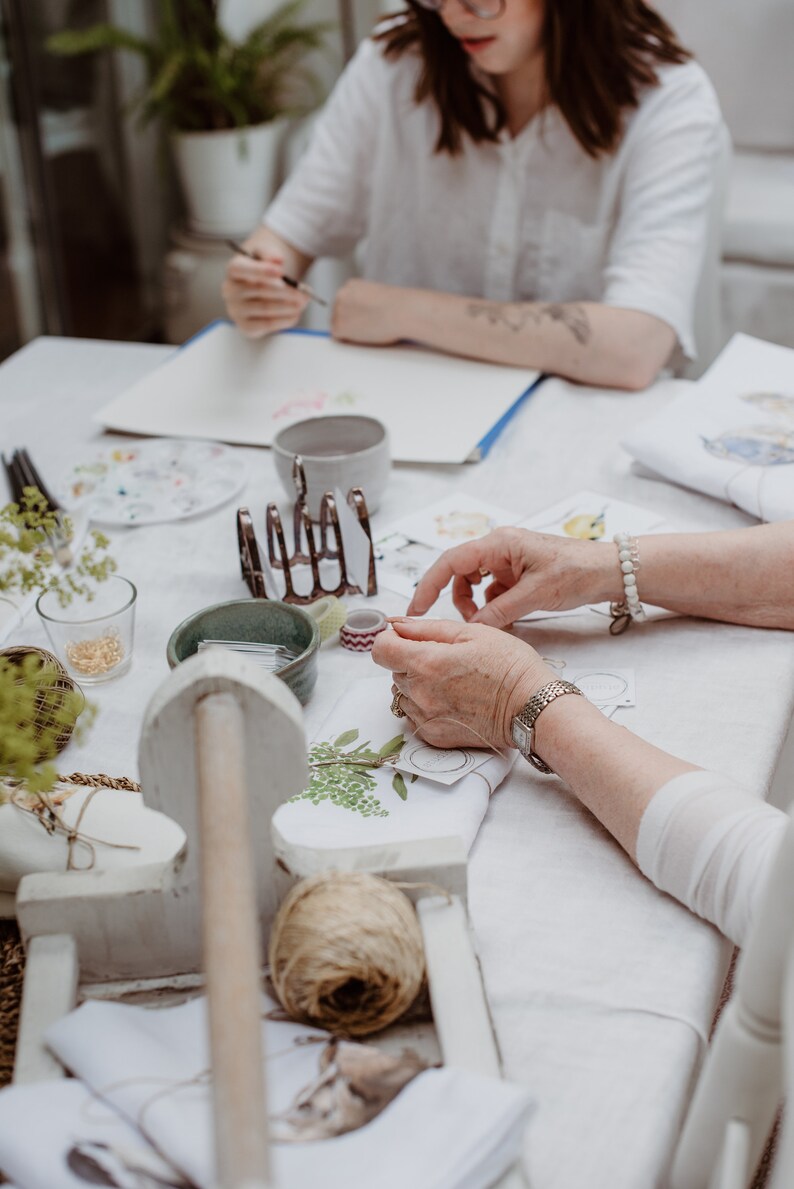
{"points": [[365, 809], [117, 828], [711, 845], [731, 434], [447, 1129], [54, 1135]]}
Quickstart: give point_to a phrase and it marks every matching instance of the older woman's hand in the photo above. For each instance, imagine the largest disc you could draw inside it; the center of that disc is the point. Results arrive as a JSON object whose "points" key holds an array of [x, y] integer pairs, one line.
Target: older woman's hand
{"points": [[530, 572], [461, 684]]}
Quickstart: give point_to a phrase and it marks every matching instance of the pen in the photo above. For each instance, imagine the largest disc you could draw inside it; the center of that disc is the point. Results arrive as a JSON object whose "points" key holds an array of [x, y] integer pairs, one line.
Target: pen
{"points": [[301, 286]]}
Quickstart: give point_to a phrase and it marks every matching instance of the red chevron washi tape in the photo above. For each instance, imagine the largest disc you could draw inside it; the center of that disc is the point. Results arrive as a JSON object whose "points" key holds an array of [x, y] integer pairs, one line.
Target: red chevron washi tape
{"points": [[362, 626]]}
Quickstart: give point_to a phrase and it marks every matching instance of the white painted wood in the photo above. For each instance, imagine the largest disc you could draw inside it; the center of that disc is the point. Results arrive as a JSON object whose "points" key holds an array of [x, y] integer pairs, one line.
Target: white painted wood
{"points": [[741, 1077], [457, 995], [733, 1170], [222, 745], [232, 945], [50, 991]]}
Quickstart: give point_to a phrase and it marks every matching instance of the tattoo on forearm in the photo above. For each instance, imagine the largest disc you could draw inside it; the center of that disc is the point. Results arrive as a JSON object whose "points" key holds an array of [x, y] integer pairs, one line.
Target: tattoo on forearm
{"points": [[516, 317]]}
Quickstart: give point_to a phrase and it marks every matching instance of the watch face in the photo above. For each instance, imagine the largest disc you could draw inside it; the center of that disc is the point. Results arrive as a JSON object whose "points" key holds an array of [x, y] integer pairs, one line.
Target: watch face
{"points": [[521, 736]]}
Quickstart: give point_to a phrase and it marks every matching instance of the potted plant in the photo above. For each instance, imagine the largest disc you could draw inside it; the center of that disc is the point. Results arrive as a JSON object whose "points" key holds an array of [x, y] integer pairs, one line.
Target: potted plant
{"points": [[225, 103]]}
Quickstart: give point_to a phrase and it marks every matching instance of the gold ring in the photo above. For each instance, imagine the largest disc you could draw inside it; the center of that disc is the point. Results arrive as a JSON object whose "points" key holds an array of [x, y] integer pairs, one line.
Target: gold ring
{"points": [[395, 707]]}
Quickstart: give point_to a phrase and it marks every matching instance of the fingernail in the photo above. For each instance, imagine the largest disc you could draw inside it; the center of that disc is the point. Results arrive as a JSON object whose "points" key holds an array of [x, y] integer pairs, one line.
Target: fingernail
{"points": [[397, 618]]}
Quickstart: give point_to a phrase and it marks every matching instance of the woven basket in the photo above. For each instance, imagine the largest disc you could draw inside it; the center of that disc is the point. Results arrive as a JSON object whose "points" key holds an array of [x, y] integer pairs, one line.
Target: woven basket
{"points": [[51, 700]]}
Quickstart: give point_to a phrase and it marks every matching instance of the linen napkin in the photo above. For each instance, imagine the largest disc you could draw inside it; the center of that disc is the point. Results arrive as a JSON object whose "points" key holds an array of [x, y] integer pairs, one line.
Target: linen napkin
{"points": [[447, 1129], [360, 807], [117, 830], [731, 435]]}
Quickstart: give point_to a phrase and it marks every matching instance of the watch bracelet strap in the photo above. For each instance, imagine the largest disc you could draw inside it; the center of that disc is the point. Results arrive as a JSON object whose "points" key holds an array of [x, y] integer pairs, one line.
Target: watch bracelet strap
{"points": [[538, 702]]}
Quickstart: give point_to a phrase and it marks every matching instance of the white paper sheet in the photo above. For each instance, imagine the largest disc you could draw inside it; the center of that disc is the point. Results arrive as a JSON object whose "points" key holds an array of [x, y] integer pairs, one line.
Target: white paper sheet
{"points": [[226, 387]]}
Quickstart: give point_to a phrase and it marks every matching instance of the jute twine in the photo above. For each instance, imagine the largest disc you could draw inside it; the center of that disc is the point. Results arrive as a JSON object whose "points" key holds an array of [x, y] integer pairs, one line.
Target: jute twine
{"points": [[346, 953]]}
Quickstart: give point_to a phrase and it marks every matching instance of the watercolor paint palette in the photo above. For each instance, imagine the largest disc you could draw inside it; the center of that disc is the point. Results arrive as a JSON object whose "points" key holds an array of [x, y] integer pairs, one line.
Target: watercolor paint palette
{"points": [[154, 481]]}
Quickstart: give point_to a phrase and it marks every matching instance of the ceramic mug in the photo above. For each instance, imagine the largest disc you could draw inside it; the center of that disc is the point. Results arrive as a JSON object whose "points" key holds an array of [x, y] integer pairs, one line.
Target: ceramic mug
{"points": [[341, 451]]}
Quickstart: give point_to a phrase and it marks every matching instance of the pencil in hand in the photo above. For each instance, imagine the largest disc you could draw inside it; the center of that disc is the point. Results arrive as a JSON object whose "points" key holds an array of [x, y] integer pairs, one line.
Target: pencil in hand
{"points": [[301, 286]]}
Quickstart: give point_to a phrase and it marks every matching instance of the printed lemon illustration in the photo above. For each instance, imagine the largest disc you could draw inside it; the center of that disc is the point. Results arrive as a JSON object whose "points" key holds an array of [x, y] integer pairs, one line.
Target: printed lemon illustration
{"points": [[585, 527]]}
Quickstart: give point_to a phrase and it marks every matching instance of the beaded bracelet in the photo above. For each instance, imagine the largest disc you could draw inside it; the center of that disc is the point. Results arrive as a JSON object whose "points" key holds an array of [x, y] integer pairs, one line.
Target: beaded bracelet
{"points": [[630, 608]]}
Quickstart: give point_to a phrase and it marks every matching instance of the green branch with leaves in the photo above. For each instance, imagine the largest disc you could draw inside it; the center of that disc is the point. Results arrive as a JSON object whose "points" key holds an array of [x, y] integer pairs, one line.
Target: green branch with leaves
{"points": [[344, 777]]}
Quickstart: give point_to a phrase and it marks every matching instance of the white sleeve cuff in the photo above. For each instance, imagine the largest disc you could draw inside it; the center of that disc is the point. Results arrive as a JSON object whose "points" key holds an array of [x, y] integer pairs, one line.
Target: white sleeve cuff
{"points": [[710, 844]]}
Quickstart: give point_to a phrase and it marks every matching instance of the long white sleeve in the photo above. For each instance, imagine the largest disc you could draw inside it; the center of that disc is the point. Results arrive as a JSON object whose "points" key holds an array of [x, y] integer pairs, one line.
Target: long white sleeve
{"points": [[708, 843]]}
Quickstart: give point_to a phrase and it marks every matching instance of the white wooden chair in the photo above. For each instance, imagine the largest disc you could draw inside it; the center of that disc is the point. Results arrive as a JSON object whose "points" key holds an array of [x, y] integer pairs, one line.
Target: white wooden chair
{"points": [[222, 745], [750, 1062]]}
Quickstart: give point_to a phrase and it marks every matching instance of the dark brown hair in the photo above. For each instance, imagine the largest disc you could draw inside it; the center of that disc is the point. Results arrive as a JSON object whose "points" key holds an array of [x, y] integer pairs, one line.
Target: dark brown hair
{"points": [[598, 55]]}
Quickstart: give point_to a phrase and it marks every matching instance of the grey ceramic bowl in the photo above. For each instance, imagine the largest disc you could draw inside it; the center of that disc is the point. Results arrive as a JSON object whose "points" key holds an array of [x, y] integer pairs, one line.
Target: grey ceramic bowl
{"points": [[263, 621], [342, 451]]}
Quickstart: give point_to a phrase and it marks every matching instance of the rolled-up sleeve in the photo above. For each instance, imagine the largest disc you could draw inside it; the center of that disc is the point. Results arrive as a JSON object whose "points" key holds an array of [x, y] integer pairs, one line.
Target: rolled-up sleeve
{"points": [[673, 152], [322, 208]]}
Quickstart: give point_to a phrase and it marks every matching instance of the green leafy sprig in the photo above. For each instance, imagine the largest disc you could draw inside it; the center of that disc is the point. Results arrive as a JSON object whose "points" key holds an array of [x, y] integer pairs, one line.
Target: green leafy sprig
{"points": [[26, 557], [345, 777]]}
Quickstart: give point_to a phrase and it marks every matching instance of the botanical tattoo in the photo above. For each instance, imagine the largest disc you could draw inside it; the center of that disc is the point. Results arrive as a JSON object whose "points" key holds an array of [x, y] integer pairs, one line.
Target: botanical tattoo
{"points": [[516, 317], [345, 777]]}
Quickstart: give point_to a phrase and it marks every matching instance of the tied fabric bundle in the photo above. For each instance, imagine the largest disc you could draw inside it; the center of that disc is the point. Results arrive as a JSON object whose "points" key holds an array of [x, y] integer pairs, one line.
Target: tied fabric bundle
{"points": [[730, 435], [446, 1128], [350, 804]]}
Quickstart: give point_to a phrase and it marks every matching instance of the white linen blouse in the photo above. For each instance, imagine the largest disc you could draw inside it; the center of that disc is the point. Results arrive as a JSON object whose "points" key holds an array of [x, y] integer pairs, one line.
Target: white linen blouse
{"points": [[530, 218]]}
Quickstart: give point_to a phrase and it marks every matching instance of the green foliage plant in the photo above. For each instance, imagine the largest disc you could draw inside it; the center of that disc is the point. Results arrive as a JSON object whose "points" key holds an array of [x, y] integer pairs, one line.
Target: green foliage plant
{"points": [[199, 79], [26, 688], [344, 777]]}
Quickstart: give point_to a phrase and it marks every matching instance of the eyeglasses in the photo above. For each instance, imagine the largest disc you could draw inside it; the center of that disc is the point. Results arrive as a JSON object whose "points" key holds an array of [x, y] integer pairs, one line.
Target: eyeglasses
{"points": [[486, 10]]}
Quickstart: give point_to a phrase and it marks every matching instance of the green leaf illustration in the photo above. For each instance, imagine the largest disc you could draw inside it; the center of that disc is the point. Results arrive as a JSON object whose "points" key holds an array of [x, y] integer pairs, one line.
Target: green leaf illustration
{"points": [[393, 747], [398, 784], [414, 776], [346, 737]]}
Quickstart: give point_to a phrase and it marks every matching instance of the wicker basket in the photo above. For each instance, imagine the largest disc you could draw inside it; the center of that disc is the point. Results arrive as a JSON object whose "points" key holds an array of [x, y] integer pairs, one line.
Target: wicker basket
{"points": [[51, 700]]}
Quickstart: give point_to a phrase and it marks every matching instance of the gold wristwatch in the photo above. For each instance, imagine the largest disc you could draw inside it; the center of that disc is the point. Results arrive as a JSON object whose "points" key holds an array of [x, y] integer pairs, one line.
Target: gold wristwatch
{"points": [[522, 728]]}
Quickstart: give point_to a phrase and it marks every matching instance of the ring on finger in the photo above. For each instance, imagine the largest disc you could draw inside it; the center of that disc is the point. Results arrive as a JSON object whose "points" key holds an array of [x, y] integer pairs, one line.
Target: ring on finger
{"points": [[395, 707]]}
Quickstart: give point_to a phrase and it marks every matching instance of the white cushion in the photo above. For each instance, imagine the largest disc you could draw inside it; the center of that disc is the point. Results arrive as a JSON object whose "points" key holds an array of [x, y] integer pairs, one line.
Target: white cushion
{"points": [[759, 209], [745, 46]]}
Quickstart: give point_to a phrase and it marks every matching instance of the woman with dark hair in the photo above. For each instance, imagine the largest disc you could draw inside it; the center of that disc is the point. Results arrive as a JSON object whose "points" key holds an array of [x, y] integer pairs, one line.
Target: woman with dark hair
{"points": [[529, 182]]}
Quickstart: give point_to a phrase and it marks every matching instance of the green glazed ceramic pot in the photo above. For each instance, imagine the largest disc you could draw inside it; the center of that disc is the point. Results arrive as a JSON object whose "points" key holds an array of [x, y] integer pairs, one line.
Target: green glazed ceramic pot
{"points": [[262, 621]]}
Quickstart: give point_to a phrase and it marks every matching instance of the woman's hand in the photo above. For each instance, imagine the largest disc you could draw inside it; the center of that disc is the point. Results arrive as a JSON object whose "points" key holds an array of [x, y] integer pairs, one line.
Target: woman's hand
{"points": [[257, 299], [529, 572], [461, 684], [367, 312]]}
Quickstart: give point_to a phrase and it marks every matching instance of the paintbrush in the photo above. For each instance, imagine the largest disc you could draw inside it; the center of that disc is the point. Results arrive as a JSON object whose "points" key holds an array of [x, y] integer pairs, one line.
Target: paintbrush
{"points": [[301, 286]]}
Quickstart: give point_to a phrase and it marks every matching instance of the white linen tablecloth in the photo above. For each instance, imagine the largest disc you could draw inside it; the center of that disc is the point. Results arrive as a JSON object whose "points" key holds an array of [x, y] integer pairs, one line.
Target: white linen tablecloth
{"points": [[601, 988]]}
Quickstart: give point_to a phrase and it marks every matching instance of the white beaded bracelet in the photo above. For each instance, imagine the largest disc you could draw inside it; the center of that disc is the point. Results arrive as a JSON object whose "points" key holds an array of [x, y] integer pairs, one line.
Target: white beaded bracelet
{"points": [[631, 608]]}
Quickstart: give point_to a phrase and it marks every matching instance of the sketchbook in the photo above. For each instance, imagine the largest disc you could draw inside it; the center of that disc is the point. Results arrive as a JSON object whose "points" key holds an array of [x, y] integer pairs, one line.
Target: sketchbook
{"points": [[225, 387]]}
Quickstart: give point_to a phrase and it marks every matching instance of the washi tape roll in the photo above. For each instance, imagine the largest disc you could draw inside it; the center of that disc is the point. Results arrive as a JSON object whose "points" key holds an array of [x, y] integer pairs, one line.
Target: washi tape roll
{"points": [[330, 613], [362, 626]]}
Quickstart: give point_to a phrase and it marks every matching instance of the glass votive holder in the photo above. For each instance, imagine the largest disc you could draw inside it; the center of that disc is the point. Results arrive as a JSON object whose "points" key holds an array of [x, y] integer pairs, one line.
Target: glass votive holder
{"points": [[93, 638]]}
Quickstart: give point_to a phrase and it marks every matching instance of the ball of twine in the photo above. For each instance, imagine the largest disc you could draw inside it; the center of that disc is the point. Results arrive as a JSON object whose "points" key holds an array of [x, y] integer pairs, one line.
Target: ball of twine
{"points": [[58, 702], [346, 953]]}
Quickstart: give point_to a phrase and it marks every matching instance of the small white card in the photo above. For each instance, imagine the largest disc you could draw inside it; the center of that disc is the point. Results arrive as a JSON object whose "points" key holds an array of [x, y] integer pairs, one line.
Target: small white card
{"points": [[606, 688], [401, 562], [452, 521], [442, 765], [588, 516]]}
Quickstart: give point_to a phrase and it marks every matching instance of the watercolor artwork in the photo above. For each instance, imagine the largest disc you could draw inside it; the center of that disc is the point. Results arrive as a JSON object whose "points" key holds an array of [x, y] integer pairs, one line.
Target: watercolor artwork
{"points": [[224, 387], [401, 562], [452, 521], [591, 516], [152, 482]]}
